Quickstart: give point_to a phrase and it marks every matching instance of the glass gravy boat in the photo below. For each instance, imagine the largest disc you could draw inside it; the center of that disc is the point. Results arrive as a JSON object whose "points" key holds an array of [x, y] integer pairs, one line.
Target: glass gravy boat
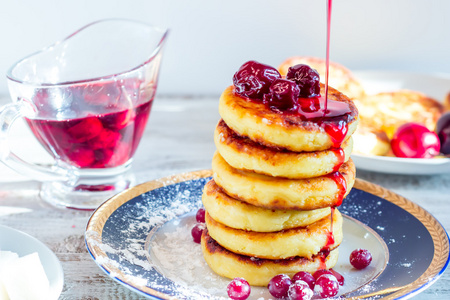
{"points": [[87, 100]]}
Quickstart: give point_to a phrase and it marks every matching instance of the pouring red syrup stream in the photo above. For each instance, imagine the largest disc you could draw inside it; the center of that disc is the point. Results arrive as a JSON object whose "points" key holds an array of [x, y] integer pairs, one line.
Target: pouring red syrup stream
{"points": [[329, 5]]}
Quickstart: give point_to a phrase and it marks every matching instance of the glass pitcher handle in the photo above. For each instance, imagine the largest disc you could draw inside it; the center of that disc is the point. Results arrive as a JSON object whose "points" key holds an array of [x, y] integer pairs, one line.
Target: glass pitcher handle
{"points": [[56, 172]]}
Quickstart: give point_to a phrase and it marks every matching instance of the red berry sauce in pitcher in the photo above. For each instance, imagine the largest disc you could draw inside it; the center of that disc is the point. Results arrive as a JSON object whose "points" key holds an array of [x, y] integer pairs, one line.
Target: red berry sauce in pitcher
{"points": [[106, 137]]}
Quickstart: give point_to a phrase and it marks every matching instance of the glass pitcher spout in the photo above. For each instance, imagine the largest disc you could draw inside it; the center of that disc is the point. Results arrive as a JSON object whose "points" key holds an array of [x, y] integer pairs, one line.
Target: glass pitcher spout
{"points": [[100, 50]]}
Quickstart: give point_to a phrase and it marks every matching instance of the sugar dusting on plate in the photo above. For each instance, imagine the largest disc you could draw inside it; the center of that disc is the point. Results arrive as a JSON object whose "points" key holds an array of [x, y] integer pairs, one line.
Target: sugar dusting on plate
{"points": [[147, 243]]}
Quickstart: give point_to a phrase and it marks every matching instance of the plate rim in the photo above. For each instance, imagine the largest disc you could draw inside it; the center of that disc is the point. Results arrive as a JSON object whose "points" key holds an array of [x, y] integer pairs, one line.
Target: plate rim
{"points": [[437, 232]]}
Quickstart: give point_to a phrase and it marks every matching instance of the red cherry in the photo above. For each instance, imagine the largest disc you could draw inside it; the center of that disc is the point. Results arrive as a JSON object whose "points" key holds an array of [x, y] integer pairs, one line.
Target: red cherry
{"points": [[253, 79], [85, 129], [238, 289], [283, 95], [413, 140], [443, 132], [307, 79]]}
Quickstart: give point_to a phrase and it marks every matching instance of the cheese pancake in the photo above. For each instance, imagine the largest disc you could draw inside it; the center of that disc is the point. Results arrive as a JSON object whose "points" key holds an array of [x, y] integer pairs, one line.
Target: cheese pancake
{"points": [[271, 128], [242, 153], [370, 141], [300, 241], [258, 272], [339, 77], [388, 111], [240, 215], [283, 193]]}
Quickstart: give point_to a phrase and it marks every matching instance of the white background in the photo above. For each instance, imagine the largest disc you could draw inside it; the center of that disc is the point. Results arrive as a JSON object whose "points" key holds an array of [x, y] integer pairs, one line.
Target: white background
{"points": [[210, 39]]}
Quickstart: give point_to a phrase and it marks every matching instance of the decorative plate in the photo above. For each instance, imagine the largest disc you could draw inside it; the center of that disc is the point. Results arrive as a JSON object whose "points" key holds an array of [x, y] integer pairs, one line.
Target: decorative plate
{"points": [[141, 238]]}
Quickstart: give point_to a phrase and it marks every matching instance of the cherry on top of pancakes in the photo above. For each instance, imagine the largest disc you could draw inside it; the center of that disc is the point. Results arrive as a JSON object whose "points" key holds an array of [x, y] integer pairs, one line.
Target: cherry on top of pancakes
{"points": [[297, 97]]}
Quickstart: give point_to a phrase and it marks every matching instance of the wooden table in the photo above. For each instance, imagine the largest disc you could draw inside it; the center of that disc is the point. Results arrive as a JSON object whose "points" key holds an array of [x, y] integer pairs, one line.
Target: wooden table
{"points": [[178, 139]]}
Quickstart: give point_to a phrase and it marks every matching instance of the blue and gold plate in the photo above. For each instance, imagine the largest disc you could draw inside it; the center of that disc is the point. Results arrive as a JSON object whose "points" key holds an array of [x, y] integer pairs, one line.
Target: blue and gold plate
{"points": [[141, 238]]}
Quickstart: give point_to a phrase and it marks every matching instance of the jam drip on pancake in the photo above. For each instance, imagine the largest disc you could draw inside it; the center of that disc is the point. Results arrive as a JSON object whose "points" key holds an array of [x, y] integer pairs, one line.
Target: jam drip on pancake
{"points": [[340, 154], [341, 184], [333, 116]]}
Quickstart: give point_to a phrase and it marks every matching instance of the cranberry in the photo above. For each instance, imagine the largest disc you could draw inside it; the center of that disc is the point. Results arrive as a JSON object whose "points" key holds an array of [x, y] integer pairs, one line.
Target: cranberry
{"points": [[326, 286], [279, 285], [320, 272], [360, 258], [413, 140], [306, 277], [197, 231], [338, 276], [307, 79], [253, 79], [300, 290], [200, 216], [443, 132], [283, 95], [238, 289]]}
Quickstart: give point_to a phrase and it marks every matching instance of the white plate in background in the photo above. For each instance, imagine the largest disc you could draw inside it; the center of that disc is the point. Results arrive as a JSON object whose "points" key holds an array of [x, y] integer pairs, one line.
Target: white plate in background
{"points": [[24, 244], [434, 86]]}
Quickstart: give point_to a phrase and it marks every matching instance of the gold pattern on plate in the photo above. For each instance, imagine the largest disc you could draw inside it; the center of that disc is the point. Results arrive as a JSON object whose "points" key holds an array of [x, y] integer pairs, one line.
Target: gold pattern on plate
{"points": [[95, 225], [437, 232]]}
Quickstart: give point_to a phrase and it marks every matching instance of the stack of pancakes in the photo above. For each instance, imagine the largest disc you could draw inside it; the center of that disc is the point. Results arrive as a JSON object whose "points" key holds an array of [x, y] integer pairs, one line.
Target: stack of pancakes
{"points": [[277, 180]]}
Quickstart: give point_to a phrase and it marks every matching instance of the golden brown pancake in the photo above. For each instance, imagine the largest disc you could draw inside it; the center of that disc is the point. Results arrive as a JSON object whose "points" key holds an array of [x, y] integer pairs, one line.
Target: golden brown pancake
{"points": [[370, 141], [300, 241], [339, 78], [388, 111], [240, 215], [282, 193], [242, 153], [271, 128], [258, 272]]}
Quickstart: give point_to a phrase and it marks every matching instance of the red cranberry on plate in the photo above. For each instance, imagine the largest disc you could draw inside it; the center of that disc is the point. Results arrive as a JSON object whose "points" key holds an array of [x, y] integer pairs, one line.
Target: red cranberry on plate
{"points": [[326, 286], [200, 215], [300, 290], [279, 285], [197, 231], [360, 258], [320, 272], [306, 277], [238, 289]]}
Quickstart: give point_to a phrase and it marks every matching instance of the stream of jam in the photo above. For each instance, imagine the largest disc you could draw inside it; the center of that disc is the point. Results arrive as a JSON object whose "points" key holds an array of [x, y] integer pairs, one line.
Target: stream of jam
{"points": [[340, 155], [327, 69]]}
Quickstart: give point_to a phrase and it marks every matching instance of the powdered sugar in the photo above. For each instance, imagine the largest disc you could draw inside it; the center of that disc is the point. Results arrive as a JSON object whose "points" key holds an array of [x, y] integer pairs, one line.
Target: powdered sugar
{"points": [[147, 243]]}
